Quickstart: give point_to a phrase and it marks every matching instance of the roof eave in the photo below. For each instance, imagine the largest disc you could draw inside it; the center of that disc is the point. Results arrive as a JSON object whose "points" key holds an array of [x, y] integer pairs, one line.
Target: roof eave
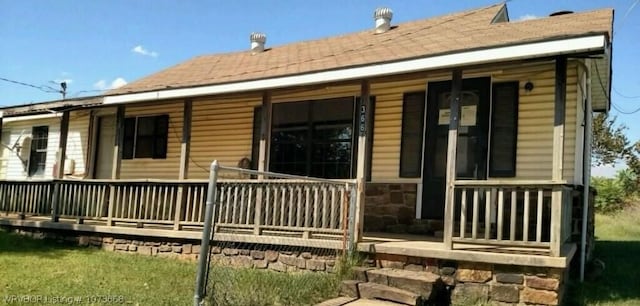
{"points": [[553, 47]]}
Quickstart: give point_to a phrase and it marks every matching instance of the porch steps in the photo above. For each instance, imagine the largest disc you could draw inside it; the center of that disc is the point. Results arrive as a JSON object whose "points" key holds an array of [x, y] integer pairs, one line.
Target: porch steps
{"points": [[390, 287]]}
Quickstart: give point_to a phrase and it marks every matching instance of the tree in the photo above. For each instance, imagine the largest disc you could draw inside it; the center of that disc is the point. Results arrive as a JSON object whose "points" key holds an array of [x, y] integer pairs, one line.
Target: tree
{"points": [[611, 145]]}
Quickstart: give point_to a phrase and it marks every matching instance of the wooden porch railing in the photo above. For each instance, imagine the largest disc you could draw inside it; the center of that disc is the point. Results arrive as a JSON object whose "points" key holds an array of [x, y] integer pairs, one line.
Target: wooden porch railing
{"points": [[528, 215], [316, 209]]}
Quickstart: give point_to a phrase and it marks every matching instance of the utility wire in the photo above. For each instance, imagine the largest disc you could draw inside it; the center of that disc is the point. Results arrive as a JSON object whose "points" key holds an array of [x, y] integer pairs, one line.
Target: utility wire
{"points": [[623, 95], [608, 97], [44, 88]]}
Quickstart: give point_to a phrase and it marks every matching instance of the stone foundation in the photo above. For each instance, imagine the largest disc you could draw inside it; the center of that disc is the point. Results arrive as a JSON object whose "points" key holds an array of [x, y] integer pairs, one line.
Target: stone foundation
{"points": [[470, 283], [245, 255], [389, 207]]}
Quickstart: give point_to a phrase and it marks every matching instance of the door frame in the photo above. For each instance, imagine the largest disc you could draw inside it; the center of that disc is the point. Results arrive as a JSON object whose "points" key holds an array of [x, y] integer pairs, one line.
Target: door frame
{"points": [[483, 119], [94, 139]]}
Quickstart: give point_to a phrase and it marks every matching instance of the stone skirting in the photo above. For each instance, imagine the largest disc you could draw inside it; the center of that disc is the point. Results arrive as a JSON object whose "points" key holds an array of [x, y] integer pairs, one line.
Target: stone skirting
{"points": [[389, 207], [470, 283], [245, 255]]}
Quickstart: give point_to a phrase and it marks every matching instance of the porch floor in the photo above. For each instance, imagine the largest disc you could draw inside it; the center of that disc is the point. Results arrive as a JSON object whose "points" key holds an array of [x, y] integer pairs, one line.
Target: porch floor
{"points": [[373, 242]]}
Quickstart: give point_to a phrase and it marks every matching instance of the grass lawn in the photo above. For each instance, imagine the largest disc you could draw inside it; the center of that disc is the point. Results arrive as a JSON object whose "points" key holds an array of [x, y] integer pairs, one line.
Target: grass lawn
{"points": [[45, 268], [42, 268], [618, 246]]}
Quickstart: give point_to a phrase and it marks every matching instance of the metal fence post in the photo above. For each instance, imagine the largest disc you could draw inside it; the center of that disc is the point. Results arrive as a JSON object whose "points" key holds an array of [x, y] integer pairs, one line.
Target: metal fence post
{"points": [[203, 258]]}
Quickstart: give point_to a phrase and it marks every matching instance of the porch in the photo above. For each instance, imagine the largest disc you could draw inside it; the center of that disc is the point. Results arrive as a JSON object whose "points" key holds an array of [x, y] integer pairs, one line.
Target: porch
{"points": [[508, 223]]}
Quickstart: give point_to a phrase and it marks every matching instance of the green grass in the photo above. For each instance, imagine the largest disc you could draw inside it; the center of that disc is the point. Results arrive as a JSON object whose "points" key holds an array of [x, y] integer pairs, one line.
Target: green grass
{"points": [[263, 288], [44, 268], [618, 246]]}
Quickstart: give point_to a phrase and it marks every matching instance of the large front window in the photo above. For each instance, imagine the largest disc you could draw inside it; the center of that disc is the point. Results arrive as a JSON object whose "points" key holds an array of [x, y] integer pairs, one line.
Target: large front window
{"points": [[313, 138]]}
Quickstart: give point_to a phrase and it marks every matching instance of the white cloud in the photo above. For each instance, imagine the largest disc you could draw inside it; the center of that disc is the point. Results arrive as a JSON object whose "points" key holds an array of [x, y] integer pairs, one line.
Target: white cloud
{"points": [[141, 50], [118, 82], [104, 85], [528, 17]]}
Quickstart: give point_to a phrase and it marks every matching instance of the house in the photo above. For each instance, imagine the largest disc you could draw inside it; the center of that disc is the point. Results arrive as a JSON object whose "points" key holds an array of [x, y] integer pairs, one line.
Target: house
{"points": [[462, 138]]}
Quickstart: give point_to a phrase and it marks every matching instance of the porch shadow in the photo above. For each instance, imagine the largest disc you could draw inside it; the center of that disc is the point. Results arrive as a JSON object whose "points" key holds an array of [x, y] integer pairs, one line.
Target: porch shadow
{"points": [[12, 243], [617, 283]]}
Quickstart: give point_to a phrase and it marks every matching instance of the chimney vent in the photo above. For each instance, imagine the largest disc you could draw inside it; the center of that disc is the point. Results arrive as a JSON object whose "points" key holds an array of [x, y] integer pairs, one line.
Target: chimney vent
{"points": [[383, 17], [257, 41]]}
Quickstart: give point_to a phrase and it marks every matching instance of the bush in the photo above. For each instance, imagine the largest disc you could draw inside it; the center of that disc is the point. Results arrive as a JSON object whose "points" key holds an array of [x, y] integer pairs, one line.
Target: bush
{"points": [[615, 193], [610, 195]]}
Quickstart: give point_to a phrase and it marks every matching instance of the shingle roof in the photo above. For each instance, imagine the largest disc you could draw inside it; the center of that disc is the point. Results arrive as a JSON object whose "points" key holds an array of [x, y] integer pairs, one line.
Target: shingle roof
{"points": [[450, 33]]}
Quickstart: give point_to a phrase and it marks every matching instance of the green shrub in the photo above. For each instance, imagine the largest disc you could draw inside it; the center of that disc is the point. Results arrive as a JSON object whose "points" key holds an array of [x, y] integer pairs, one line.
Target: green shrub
{"points": [[611, 194]]}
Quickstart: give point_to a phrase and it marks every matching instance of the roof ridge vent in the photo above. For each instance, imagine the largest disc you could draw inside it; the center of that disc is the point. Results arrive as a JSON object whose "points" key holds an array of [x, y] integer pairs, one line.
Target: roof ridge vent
{"points": [[258, 40], [383, 16]]}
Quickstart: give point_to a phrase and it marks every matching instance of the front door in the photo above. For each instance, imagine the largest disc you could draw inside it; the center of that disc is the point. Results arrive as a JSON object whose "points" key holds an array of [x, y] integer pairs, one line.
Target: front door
{"points": [[104, 151], [472, 140]]}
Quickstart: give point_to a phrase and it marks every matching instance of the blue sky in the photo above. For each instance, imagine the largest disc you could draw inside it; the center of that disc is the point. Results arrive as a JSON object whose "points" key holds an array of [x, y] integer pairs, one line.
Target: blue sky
{"points": [[98, 44]]}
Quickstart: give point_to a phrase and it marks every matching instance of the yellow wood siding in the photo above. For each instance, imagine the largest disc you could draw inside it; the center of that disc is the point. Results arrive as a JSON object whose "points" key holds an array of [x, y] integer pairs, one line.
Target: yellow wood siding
{"points": [[221, 129], [166, 168], [535, 122], [388, 125]]}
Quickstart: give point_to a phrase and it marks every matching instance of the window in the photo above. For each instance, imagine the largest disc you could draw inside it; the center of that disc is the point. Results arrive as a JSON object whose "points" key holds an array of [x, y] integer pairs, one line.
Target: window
{"points": [[313, 138], [504, 130], [38, 154], [145, 137], [412, 134]]}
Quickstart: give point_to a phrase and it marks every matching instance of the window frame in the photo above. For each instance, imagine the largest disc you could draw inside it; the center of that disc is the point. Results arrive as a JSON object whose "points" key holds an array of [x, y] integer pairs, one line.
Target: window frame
{"points": [[132, 139], [34, 152], [309, 125]]}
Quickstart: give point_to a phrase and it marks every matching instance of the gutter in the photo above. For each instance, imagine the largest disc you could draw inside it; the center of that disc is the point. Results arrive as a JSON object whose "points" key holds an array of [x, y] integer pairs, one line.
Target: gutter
{"points": [[474, 57]]}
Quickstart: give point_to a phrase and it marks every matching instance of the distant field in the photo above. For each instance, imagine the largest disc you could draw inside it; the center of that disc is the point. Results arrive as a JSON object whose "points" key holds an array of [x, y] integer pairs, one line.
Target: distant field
{"points": [[618, 246]]}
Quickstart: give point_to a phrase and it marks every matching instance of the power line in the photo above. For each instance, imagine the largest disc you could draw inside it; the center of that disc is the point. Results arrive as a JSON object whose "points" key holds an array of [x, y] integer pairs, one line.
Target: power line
{"points": [[608, 96], [623, 95], [44, 88]]}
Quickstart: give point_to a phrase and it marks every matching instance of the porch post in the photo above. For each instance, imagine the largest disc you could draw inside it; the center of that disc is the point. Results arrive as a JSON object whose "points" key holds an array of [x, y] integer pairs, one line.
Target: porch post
{"points": [[59, 169], [263, 156], [364, 124], [452, 145], [185, 151], [265, 132], [117, 160], [558, 154]]}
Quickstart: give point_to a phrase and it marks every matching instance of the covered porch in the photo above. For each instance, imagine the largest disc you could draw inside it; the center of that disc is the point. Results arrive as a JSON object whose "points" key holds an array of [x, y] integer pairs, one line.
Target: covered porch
{"points": [[518, 221]]}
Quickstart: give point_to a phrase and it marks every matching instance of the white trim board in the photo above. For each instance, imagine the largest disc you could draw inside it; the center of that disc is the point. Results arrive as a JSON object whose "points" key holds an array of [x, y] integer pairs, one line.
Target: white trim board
{"points": [[31, 117], [507, 53]]}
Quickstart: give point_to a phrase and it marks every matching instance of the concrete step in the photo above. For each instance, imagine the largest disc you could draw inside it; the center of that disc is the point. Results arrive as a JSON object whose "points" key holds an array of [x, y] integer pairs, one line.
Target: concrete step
{"points": [[339, 301], [375, 291], [418, 282]]}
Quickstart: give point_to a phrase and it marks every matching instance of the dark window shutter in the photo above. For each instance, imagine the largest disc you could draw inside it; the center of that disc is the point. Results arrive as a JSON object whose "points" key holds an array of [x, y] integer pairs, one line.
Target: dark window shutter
{"points": [[160, 140], [129, 137], [504, 130], [255, 144], [412, 134]]}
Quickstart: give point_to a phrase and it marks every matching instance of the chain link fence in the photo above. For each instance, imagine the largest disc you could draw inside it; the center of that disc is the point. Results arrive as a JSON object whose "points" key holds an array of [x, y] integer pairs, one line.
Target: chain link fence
{"points": [[263, 221]]}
